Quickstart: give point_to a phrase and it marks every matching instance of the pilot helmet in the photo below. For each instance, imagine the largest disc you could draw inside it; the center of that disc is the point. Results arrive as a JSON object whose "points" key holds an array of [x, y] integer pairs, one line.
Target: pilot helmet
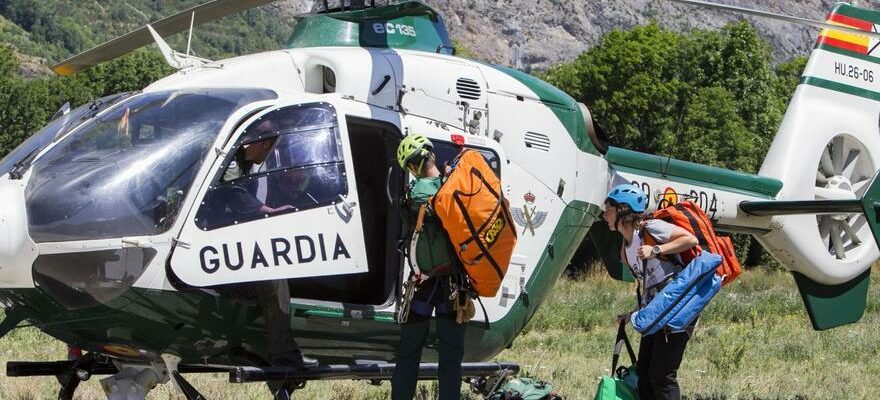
{"points": [[630, 195], [413, 147]]}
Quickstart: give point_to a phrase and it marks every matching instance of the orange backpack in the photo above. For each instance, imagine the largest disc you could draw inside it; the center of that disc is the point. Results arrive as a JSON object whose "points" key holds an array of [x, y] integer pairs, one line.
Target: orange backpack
{"points": [[474, 213], [691, 217]]}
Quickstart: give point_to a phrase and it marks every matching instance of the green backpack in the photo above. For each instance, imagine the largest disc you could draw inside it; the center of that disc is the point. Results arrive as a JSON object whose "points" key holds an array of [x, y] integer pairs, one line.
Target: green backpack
{"points": [[623, 385], [525, 389]]}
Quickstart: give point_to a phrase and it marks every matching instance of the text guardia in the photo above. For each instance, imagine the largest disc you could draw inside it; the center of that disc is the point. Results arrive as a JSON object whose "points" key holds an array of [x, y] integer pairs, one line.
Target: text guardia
{"points": [[280, 251]]}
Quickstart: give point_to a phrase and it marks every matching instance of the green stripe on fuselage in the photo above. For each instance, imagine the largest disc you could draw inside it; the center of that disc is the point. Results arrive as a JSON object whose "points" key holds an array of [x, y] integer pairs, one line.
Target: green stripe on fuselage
{"points": [[692, 173], [840, 87], [837, 50]]}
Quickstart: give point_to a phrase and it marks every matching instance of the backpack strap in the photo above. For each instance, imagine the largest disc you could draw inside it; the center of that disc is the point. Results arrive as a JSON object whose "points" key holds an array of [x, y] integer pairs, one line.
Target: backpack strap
{"points": [[631, 270], [649, 240], [413, 241], [622, 339]]}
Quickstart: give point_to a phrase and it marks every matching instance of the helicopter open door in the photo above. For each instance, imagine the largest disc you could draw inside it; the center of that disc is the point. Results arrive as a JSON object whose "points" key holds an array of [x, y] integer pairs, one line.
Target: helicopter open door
{"points": [[281, 202]]}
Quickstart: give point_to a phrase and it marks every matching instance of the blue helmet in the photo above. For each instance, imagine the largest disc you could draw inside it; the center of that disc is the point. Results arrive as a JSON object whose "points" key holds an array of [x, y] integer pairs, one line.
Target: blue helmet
{"points": [[630, 195]]}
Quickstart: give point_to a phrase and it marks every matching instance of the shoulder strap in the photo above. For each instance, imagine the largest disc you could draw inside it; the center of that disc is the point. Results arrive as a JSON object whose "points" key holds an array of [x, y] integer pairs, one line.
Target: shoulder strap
{"points": [[625, 261], [649, 240]]}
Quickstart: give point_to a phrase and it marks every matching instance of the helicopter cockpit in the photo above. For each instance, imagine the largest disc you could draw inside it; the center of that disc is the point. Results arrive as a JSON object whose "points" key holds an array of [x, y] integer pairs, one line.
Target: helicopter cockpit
{"points": [[125, 173]]}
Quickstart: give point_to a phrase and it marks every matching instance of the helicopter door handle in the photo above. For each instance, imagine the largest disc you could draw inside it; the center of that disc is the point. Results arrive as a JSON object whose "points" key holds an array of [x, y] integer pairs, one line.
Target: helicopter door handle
{"points": [[382, 85]]}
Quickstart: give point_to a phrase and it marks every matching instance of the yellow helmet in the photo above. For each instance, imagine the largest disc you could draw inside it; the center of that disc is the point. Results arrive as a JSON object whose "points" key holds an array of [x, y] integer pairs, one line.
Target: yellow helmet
{"points": [[411, 147]]}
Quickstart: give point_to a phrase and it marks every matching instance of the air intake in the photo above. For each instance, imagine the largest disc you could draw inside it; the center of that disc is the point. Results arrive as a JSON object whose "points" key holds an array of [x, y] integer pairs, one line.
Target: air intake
{"points": [[468, 89], [537, 141]]}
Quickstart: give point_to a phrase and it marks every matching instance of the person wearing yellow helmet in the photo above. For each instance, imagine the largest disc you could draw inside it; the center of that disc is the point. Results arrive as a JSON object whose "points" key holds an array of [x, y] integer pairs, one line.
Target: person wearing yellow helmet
{"points": [[413, 153], [436, 278]]}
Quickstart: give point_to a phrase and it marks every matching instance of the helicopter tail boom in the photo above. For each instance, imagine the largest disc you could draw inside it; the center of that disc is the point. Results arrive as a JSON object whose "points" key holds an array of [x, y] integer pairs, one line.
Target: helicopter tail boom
{"points": [[819, 218]]}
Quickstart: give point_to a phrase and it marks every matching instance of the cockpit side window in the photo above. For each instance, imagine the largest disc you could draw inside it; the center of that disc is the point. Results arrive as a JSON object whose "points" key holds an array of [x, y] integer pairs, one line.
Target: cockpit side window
{"points": [[288, 160]]}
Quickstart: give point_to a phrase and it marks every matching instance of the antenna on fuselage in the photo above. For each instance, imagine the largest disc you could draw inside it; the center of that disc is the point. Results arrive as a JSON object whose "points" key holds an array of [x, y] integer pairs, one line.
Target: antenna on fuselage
{"points": [[189, 40], [176, 60]]}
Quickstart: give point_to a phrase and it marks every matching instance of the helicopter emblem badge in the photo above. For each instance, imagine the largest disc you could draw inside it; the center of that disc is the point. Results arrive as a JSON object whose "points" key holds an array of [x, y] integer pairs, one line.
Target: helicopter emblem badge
{"points": [[529, 217]]}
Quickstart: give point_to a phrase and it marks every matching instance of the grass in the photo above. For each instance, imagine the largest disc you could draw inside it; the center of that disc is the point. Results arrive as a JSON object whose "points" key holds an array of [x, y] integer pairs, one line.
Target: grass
{"points": [[753, 342]]}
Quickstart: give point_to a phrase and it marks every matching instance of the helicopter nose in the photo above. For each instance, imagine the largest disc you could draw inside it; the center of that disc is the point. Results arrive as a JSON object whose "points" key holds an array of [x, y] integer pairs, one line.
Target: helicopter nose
{"points": [[17, 250]]}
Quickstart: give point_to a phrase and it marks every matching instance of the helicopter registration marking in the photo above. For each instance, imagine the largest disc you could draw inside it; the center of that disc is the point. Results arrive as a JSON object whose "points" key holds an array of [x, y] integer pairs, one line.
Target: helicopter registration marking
{"points": [[853, 71], [392, 29], [707, 201]]}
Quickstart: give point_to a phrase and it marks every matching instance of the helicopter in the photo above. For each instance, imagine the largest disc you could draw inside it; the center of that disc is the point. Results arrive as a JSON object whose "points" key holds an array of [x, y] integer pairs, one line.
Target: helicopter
{"points": [[110, 242]]}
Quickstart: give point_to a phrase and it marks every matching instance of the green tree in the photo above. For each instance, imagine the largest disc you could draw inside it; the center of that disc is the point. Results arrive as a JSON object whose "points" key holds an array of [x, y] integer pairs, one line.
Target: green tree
{"points": [[27, 104], [132, 72], [788, 75], [8, 62], [631, 82], [711, 118], [23, 111], [710, 97]]}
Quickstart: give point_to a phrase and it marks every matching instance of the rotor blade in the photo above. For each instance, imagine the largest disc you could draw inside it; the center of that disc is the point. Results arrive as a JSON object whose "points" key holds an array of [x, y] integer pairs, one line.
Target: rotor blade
{"points": [[820, 178], [825, 229], [858, 186], [837, 242], [853, 235], [837, 154], [833, 194], [826, 164], [136, 39], [852, 160], [781, 17]]}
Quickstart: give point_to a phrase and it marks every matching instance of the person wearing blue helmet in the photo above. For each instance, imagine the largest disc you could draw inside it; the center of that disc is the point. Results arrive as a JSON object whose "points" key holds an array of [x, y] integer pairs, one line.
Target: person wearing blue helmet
{"points": [[660, 354]]}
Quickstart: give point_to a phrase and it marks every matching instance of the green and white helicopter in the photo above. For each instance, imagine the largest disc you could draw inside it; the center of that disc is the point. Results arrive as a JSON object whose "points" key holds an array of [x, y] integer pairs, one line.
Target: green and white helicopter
{"points": [[109, 241]]}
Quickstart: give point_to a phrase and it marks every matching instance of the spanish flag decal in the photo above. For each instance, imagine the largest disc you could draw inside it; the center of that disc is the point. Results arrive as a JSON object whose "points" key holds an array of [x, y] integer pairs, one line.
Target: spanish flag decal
{"points": [[844, 40]]}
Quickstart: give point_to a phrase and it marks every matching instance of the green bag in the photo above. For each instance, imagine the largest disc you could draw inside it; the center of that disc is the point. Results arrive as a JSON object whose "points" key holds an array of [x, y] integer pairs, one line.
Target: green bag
{"points": [[623, 384], [615, 389], [525, 389]]}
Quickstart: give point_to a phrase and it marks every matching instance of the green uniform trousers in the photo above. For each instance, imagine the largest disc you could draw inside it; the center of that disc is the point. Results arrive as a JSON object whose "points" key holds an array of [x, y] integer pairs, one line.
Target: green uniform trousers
{"points": [[409, 353]]}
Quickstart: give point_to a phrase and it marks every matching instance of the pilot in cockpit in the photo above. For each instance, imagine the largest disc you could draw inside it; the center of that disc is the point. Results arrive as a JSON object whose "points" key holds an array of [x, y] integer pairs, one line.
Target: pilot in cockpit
{"points": [[253, 196], [251, 159]]}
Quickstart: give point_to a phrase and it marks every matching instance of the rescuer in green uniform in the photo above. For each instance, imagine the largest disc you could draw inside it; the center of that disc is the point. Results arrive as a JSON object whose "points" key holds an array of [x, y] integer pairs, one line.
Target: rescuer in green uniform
{"points": [[438, 282]]}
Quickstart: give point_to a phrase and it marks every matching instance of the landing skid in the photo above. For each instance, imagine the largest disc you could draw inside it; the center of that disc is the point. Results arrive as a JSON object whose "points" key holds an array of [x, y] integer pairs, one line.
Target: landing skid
{"points": [[371, 372], [483, 376]]}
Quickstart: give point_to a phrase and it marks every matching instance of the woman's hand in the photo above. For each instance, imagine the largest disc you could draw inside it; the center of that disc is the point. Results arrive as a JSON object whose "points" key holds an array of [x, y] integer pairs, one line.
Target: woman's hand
{"points": [[645, 252], [623, 318]]}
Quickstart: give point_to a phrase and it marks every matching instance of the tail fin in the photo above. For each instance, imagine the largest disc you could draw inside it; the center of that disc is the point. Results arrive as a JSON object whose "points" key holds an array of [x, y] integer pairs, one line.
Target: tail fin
{"points": [[828, 148], [825, 154]]}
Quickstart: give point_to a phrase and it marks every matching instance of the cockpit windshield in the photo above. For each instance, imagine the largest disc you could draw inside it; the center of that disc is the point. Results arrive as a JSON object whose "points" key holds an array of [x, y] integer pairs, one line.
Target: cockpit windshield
{"points": [[56, 129], [126, 172]]}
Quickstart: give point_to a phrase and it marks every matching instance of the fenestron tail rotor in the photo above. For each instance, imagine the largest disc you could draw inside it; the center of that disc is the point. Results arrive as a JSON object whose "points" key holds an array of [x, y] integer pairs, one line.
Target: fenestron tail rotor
{"points": [[843, 174]]}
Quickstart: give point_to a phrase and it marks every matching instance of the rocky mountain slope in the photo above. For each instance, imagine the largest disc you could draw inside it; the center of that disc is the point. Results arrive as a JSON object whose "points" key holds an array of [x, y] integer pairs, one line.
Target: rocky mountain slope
{"points": [[528, 35]]}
